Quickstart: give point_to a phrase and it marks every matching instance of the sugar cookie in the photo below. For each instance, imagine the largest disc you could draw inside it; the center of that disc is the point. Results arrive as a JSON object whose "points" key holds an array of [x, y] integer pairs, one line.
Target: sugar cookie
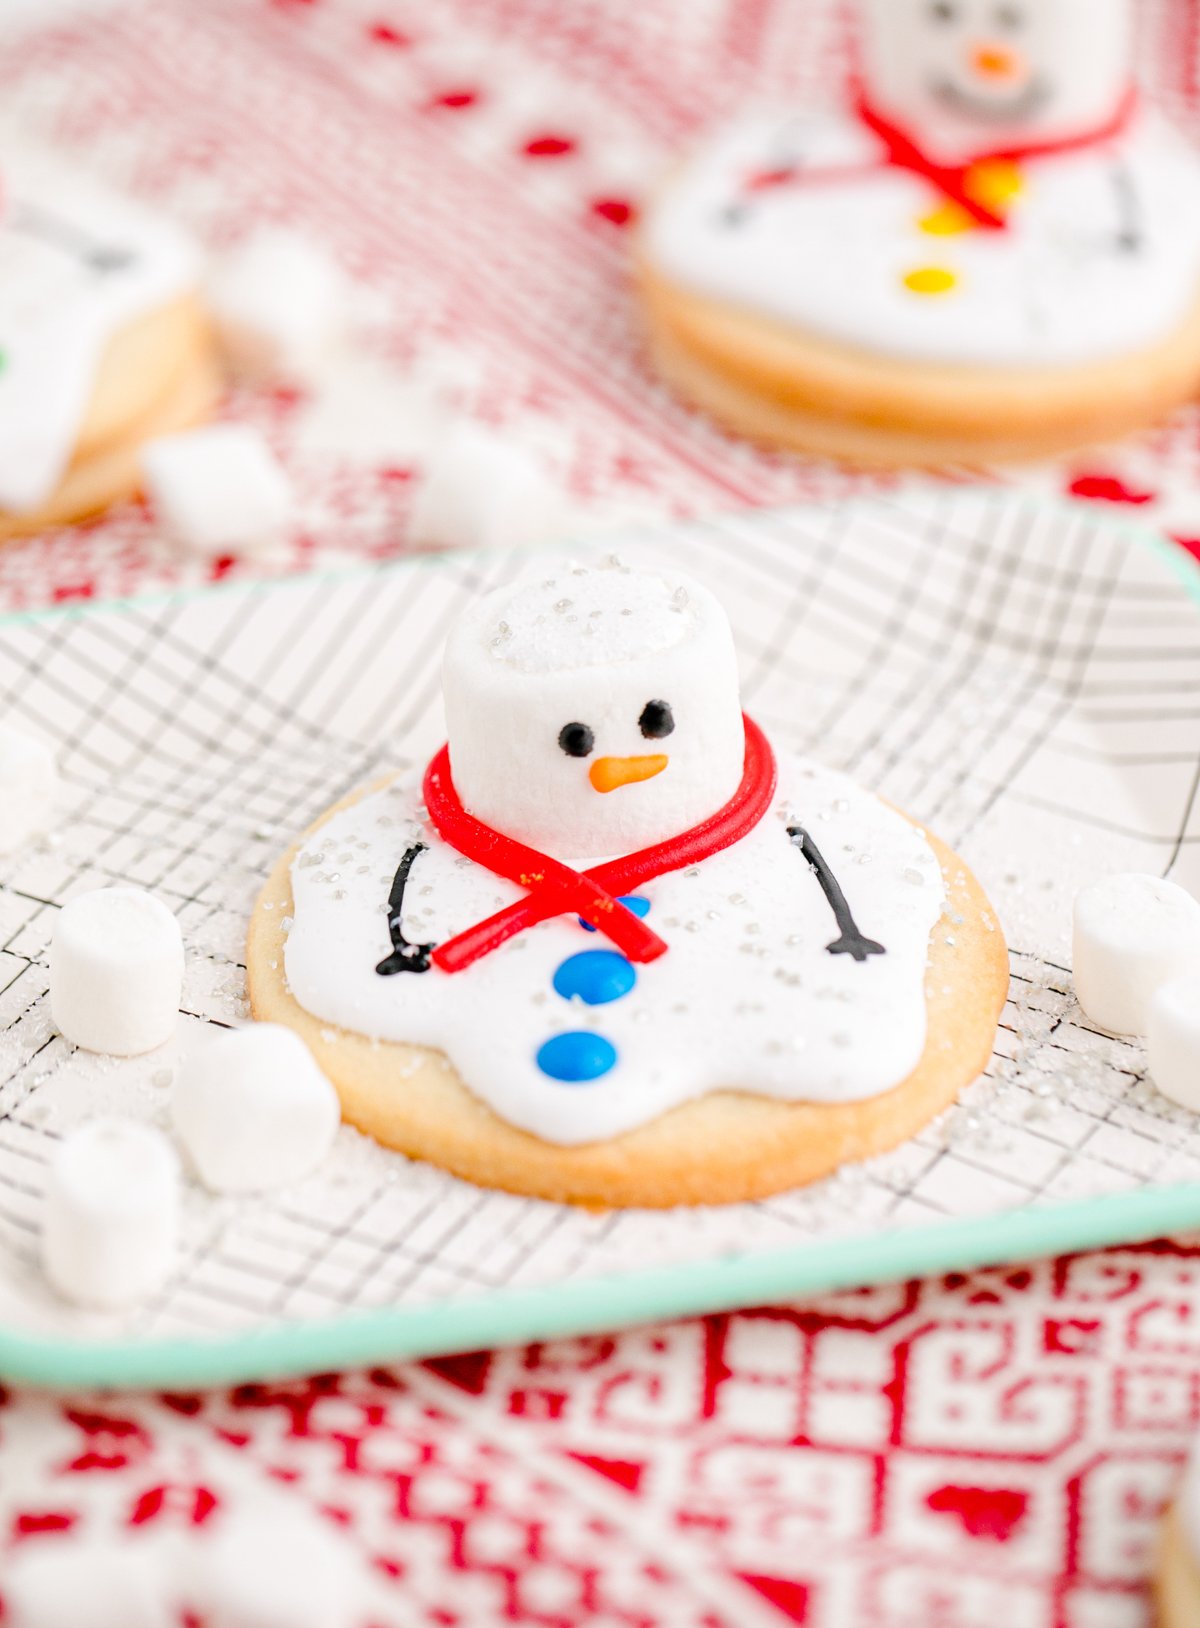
{"points": [[991, 250], [780, 975]]}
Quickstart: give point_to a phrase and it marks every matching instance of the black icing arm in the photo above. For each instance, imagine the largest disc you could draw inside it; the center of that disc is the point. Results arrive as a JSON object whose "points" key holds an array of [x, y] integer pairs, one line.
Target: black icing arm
{"points": [[63, 234], [1129, 230], [405, 957], [851, 941]]}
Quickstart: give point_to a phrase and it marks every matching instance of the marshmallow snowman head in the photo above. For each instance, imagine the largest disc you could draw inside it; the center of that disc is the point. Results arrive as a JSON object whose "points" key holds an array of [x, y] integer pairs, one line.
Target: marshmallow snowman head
{"points": [[970, 74], [594, 711]]}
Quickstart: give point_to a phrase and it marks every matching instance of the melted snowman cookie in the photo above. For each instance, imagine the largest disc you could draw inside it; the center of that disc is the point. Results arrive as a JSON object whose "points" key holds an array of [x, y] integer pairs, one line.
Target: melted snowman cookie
{"points": [[991, 248], [609, 949], [102, 338]]}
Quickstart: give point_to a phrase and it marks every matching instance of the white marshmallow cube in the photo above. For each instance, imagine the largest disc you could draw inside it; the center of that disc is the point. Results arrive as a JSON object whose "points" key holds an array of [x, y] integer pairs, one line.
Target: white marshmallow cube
{"points": [[28, 787], [110, 1226], [218, 490], [593, 710], [279, 303], [1132, 934], [253, 1110], [116, 971], [481, 490], [66, 1583], [1173, 1040]]}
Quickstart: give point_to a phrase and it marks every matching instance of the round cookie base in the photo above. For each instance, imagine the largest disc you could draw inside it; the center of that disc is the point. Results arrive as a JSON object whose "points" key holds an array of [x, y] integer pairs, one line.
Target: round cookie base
{"points": [[785, 388], [1177, 1577], [158, 376], [723, 1148]]}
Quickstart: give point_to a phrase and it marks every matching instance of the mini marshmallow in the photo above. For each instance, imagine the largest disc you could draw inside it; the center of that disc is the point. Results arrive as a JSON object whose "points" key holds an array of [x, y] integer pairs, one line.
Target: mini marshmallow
{"points": [[1173, 1040], [253, 1110], [480, 490], [116, 971], [594, 710], [111, 1220], [268, 1565], [65, 1583], [1132, 934], [279, 303], [218, 490], [28, 786]]}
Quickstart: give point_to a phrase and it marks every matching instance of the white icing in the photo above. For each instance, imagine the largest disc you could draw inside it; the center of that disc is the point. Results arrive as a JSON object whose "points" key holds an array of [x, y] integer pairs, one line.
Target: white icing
{"points": [[996, 71], [747, 995], [59, 308], [592, 647], [830, 257]]}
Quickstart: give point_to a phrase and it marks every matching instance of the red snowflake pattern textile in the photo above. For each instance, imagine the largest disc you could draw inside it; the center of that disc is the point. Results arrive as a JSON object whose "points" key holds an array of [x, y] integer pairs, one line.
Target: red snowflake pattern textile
{"points": [[994, 1446]]}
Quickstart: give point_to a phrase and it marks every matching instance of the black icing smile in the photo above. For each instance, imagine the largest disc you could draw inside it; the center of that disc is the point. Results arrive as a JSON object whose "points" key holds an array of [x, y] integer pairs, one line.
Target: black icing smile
{"points": [[1021, 106]]}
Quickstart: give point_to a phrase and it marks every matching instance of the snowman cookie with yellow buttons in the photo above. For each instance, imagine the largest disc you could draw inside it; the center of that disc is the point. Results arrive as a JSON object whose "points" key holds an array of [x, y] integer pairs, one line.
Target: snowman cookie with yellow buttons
{"points": [[609, 946], [104, 343], [990, 250]]}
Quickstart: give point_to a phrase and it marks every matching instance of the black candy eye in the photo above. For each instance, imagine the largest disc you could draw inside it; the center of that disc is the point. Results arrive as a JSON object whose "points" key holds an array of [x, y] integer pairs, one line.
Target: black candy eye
{"points": [[657, 720], [1009, 17], [576, 740], [943, 11]]}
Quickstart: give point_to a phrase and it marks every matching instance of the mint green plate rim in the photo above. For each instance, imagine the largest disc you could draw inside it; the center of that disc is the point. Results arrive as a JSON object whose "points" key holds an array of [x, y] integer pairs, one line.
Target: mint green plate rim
{"points": [[514, 1316]]}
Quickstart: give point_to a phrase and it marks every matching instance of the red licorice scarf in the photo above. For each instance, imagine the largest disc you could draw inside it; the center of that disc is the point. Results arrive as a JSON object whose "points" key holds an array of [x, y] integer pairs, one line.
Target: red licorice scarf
{"points": [[902, 151], [555, 889]]}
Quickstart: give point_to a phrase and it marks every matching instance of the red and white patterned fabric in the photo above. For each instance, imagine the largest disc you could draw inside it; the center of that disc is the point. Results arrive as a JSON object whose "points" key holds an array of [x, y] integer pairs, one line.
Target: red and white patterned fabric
{"points": [[990, 1447]]}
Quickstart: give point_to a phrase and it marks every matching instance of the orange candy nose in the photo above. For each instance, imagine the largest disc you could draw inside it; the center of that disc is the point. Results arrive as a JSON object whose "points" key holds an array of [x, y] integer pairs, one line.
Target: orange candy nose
{"points": [[996, 62], [607, 773]]}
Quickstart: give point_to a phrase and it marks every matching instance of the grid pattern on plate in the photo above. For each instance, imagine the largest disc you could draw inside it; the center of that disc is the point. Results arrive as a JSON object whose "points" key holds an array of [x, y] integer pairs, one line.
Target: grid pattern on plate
{"points": [[1025, 679]]}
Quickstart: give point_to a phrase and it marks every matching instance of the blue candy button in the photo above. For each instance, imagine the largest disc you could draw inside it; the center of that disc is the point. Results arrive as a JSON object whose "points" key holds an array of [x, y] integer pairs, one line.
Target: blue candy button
{"points": [[595, 976], [631, 901], [576, 1057]]}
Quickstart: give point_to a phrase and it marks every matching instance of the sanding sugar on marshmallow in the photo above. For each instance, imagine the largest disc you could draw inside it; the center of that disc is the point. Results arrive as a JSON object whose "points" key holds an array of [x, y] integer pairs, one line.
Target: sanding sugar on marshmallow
{"points": [[591, 680], [483, 490], [116, 971], [218, 490], [28, 787], [110, 1222], [1133, 933], [279, 304], [253, 1111], [1173, 1040]]}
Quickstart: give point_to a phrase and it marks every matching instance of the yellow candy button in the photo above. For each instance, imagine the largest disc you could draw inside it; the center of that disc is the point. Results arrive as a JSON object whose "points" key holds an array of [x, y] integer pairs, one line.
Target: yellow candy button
{"points": [[947, 220], [930, 280], [993, 182]]}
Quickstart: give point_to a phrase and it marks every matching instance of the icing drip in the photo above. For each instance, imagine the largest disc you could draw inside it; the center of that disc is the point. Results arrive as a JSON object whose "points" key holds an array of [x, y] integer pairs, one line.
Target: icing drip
{"points": [[748, 996], [76, 266]]}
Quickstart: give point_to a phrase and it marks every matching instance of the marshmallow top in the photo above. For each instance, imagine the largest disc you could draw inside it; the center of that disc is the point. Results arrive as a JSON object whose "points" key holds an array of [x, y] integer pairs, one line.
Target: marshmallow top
{"points": [[587, 618], [594, 711], [971, 75], [117, 921]]}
